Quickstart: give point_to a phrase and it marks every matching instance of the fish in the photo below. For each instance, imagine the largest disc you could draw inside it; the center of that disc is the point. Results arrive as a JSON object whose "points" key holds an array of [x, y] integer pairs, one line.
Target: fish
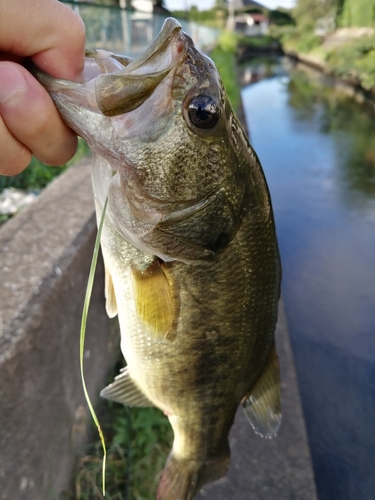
{"points": [[192, 266]]}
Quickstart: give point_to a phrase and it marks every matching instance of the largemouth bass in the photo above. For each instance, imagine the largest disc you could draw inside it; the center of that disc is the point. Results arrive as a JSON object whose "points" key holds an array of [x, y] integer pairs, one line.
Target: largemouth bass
{"points": [[189, 245]]}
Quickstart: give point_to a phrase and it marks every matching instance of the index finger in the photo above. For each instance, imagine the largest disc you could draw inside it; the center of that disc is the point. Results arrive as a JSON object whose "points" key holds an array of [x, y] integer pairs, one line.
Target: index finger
{"points": [[46, 30]]}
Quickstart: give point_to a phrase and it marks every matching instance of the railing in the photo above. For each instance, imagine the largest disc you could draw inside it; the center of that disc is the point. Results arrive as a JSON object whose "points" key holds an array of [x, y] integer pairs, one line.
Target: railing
{"points": [[130, 32]]}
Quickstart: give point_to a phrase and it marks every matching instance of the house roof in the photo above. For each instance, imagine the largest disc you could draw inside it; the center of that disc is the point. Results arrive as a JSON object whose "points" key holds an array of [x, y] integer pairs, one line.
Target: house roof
{"points": [[258, 17]]}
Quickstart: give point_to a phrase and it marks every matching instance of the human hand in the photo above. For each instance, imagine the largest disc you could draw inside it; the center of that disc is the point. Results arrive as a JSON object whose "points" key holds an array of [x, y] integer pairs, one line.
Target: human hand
{"points": [[53, 35]]}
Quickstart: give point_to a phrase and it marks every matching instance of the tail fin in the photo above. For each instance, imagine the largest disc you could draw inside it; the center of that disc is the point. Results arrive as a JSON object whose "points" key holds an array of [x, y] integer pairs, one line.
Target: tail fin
{"points": [[182, 479]]}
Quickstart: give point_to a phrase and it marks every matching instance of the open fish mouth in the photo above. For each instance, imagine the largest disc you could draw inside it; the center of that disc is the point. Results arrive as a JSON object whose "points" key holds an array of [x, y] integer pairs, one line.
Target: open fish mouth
{"points": [[109, 105], [114, 85]]}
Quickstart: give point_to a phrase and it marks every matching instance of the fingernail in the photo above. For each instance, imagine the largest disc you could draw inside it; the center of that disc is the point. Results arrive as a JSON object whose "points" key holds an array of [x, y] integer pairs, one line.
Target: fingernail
{"points": [[12, 82]]}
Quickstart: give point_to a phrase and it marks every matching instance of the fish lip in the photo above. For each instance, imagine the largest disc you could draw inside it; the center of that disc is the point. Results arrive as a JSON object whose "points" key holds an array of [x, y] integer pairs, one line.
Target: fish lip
{"points": [[122, 92], [171, 32]]}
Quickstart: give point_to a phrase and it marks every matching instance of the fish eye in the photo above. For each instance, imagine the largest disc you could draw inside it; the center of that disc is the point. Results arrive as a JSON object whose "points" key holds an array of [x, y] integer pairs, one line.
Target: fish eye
{"points": [[204, 111]]}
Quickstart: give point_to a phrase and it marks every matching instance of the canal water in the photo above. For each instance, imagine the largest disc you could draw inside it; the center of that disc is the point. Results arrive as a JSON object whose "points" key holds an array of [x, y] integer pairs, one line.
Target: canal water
{"points": [[317, 148]]}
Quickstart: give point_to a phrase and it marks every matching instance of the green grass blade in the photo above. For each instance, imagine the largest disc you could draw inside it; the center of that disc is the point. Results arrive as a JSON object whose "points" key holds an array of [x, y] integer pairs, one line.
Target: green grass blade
{"points": [[83, 332]]}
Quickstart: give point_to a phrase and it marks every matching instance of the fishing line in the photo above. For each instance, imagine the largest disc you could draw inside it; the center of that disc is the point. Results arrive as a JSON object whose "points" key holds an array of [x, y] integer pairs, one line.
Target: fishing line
{"points": [[86, 305]]}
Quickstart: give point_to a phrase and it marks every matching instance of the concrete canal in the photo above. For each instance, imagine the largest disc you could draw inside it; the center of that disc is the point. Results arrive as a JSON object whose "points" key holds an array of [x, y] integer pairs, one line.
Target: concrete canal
{"points": [[317, 148]]}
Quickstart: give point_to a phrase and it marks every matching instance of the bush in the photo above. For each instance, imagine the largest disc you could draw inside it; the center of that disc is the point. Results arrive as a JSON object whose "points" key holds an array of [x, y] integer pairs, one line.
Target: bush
{"points": [[297, 38], [257, 41], [355, 60], [227, 41], [308, 42], [281, 18], [37, 175], [224, 59]]}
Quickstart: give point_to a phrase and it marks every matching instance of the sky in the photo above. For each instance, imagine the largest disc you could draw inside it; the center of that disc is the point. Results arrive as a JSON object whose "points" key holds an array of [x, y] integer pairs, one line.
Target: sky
{"points": [[207, 4]]}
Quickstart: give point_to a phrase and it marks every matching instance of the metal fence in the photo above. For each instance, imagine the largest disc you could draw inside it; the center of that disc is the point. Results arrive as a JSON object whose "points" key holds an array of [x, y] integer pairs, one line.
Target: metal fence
{"points": [[130, 32]]}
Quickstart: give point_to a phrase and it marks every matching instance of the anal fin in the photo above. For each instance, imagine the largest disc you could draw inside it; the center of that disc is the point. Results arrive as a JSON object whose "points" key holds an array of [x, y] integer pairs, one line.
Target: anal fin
{"points": [[124, 390], [262, 405]]}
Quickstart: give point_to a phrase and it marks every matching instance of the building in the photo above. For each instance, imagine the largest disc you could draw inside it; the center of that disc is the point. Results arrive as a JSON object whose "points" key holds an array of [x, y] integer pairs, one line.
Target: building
{"points": [[248, 17]]}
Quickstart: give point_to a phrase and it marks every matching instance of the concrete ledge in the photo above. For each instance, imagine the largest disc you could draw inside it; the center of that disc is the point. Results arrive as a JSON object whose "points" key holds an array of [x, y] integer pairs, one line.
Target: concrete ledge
{"points": [[45, 254]]}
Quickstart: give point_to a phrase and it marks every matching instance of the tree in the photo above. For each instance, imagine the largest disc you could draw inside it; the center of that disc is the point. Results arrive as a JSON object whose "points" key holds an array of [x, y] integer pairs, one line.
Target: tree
{"points": [[307, 12], [280, 17]]}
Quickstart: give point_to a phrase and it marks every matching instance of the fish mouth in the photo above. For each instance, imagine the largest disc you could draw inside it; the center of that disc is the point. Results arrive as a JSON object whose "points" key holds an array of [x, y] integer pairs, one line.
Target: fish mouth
{"points": [[113, 85], [120, 93]]}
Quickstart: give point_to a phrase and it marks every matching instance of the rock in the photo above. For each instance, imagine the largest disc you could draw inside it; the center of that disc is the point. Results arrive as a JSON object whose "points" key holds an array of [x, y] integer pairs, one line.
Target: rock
{"points": [[12, 199]]}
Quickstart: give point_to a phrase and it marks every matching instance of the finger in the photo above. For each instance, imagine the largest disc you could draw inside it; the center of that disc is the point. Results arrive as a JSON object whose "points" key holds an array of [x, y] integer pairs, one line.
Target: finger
{"points": [[31, 117], [14, 156], [55, 37]]}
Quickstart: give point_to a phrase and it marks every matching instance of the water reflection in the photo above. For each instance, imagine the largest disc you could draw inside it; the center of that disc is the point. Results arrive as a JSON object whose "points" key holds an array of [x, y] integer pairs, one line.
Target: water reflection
{"points": [[352, 131], [317, 149]]}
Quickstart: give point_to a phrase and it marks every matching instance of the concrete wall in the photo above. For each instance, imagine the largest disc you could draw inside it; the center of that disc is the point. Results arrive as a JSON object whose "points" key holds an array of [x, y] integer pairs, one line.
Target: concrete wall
{"points": [[45, 254]]}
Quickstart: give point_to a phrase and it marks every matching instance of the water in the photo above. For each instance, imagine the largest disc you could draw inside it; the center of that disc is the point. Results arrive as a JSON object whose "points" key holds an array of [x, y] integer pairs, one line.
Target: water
{"points": [[317, 148]]}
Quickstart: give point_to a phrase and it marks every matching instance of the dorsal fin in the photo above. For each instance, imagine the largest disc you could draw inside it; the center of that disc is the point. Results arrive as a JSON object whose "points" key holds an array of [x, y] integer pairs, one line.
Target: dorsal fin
{"points": [[262, 405], [155, 300], [109, 292], [124, 390]]}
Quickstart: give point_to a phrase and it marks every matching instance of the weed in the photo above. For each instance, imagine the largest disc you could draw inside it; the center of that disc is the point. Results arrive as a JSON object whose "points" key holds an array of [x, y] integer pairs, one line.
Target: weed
{"points": [[37, 175], [224, 57], [138, 442], [355, 60]]}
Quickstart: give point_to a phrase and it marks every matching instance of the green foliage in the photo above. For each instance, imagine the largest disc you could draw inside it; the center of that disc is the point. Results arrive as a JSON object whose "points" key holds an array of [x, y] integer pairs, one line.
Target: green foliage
{"points": [[358, 13], [138, 442], [214, 17], [307, 42], [223, 56], [4, 218], [307, 12], [280, 17], [253, 10], [297, 38], [37, 175], [228, 41], [150, 437], [257, 42], [348, 13], [180, 14], [355, 60]]}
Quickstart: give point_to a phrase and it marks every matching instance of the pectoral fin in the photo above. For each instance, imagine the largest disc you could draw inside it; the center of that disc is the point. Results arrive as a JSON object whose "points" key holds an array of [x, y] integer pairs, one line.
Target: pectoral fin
{"points": [[109, 292], [124, 390], [262, 406], [155, 300]]}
